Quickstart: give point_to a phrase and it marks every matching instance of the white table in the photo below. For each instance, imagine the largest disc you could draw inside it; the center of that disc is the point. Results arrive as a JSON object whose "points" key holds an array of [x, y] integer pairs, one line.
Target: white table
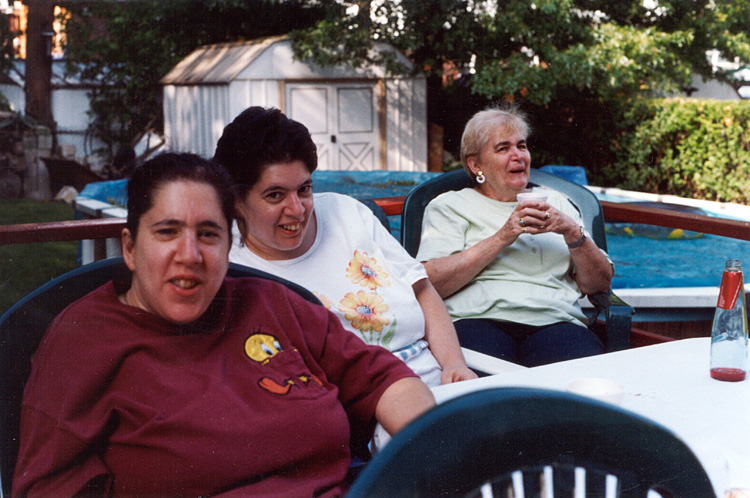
{"points": [[668, 383]]}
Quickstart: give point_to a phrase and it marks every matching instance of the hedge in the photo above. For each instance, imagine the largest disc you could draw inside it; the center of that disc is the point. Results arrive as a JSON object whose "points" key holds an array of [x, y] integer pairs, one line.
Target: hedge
{"points": [[688, 147]]}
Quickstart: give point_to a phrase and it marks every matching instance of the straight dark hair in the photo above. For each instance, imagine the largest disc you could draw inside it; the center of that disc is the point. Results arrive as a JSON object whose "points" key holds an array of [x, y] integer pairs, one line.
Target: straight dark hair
{"points": [[171, 167]]}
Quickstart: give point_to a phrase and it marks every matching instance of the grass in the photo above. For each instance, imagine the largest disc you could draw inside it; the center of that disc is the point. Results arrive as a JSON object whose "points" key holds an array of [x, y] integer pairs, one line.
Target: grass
{"points": [[24, 267]]}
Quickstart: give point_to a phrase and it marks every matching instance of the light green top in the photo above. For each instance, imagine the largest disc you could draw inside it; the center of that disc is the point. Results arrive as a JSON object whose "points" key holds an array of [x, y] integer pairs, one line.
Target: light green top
{"points": [[530, 281]]}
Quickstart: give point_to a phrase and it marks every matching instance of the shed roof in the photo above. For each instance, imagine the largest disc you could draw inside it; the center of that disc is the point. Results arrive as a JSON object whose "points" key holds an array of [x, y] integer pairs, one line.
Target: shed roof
{"points": [[216, 64]]}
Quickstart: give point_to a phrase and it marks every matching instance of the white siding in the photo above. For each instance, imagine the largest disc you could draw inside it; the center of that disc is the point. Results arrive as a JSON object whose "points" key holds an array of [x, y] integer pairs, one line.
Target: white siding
{"points": [[406, 124], [70, 108], [194, 117], [419, 145], [169, 103], [246, 93]]}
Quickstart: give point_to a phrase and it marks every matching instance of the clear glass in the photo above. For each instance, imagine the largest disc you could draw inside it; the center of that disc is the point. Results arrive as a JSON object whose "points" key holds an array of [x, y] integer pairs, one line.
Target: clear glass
{"points": [[729, 334]]}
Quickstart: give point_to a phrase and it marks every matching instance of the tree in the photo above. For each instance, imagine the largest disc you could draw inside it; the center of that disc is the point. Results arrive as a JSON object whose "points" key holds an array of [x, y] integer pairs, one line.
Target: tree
{"points": [[127, 47], [575, 64], [38, 87]]}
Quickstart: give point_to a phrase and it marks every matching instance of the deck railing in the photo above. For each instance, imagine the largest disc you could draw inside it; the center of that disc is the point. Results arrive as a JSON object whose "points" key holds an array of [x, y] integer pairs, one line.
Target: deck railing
{"points": [[105, 228], [631, 213], [102, 234]]}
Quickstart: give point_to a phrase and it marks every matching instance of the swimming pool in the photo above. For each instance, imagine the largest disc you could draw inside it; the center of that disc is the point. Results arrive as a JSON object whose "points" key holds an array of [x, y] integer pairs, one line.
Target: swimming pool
{"points": [[650, 259], [641, 262], [645, 259]]}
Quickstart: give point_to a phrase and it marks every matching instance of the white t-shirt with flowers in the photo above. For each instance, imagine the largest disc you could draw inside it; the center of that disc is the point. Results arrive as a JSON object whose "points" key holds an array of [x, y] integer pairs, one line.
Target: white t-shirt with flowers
{"points": [[360, 272]]}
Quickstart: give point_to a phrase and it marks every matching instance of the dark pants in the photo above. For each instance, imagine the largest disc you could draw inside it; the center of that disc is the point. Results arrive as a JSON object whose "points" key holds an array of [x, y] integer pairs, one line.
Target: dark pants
{"points": [[528, 345]]}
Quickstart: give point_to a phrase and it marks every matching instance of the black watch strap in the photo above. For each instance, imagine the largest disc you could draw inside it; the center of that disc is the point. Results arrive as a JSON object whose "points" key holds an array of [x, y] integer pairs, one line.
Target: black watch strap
{"points": [[580, 241]]}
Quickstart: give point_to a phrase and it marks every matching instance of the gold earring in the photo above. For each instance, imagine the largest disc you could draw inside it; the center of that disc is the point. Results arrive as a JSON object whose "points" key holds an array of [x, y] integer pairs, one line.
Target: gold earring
{"points": [[480, 176]]}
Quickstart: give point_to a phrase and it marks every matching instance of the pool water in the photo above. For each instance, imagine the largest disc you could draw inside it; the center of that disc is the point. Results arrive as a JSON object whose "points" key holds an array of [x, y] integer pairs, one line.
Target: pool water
{"points": [[645, 259], [649, 256], [641, 262]]}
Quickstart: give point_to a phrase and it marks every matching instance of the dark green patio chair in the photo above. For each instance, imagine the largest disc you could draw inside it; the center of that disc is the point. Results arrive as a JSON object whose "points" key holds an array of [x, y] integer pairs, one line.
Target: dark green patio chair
{"points": [[617, 315], [517, 441]]}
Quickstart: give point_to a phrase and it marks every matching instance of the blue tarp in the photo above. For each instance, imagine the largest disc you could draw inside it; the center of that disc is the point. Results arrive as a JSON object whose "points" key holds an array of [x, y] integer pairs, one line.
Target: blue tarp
{"points": [[113, 191], [576, 174]]}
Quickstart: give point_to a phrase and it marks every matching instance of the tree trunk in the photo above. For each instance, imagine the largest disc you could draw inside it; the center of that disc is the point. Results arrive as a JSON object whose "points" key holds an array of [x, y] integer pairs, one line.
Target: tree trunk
{"points": [[39, 60]]}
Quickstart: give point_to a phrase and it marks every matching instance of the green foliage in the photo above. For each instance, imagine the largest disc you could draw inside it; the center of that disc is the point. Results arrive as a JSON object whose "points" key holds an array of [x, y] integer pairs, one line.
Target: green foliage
{"points": [[543, 50], [130, 46], [574, 65], [686, 147], [575, 131], [27, 266]]}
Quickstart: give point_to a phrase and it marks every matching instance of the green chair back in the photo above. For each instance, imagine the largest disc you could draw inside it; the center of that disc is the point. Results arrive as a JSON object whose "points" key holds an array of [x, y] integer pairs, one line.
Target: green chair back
{"points": [[474, 446]]}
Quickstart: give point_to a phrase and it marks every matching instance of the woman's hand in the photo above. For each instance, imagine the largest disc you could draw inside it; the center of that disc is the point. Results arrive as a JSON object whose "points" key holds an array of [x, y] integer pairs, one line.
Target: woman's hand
{"points": [[593, 272], [456, 374], [537, 217]]}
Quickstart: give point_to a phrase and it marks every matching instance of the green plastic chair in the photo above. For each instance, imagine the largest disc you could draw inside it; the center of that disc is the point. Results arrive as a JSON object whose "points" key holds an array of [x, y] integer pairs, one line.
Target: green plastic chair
{"points": [[515, 441], [23, 325], [617, 314]]}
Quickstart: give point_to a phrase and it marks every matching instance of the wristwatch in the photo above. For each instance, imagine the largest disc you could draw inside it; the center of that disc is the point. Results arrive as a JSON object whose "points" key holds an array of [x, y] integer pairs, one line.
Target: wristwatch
{"points": [[580, 241]]}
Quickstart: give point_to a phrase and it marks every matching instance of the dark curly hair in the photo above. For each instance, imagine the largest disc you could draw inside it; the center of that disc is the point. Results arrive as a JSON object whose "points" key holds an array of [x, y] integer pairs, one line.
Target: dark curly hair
{"points": [[260, 137]]}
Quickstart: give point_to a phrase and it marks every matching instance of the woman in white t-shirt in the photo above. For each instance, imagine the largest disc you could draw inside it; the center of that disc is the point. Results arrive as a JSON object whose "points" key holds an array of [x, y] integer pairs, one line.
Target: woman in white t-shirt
{"points": [[333, 245]]}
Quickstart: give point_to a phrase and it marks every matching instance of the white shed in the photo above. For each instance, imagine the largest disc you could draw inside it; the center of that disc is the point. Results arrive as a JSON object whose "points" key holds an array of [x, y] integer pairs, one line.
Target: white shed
{"points": [[360, 119]]}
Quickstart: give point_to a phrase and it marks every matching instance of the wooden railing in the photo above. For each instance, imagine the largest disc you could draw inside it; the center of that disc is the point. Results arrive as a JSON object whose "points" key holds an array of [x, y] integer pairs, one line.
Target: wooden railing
{"points": [[105, 228], [631, 213], [53, 231]]}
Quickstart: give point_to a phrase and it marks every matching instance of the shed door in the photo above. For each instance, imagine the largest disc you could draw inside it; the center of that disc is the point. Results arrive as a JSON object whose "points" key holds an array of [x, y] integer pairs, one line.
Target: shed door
{"points": [[343, 122]]}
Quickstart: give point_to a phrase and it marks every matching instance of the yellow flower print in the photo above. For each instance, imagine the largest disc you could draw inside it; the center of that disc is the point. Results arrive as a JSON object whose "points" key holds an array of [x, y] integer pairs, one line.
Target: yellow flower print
{"points": [[364, 310], [365, 271], [324, 300]]}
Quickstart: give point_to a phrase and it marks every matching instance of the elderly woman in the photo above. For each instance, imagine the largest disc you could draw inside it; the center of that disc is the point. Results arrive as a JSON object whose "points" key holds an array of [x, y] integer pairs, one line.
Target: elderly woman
{"points": [[333, 245], [511, 272], [187, 383]]}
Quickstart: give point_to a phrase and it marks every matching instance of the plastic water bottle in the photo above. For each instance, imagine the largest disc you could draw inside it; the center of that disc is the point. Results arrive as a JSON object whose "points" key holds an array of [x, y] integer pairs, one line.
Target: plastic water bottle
{"points": [[729, 331]]}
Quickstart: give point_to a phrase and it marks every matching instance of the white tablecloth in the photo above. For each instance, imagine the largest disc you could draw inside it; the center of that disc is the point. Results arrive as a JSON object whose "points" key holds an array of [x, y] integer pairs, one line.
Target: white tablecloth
{"points": [[668, 383]]}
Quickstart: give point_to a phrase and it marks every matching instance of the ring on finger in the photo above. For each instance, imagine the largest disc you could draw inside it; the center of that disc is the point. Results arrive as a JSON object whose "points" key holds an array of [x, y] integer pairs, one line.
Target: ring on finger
{"points": [[523, 229], [547, 215], [521, 222]]}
